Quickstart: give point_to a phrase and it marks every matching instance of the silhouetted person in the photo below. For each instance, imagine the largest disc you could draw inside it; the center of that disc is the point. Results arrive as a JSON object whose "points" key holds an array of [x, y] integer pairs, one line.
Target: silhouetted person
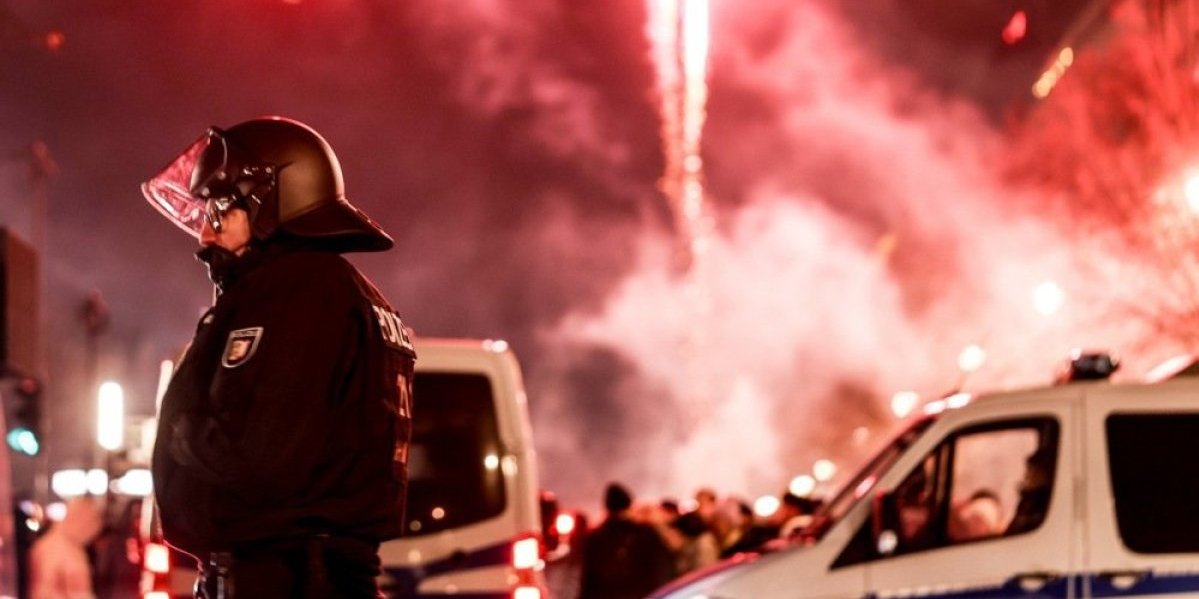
{"points": [[117, 572], [1035, 490], [760, 532], [58, 562], [24, 511], [797, 514], [914, 503], [671, 508], [736, 522], [699, 547], [706, 505], [623, 559]]}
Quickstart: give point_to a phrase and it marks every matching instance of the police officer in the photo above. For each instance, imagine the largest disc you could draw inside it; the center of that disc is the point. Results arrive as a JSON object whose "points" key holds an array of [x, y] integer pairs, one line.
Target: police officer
{"points": [[280, 462]]}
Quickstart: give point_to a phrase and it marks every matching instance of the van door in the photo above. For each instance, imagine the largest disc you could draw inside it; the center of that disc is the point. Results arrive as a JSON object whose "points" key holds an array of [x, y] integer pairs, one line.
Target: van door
{"points": [[1142, 490], [988, 510]]}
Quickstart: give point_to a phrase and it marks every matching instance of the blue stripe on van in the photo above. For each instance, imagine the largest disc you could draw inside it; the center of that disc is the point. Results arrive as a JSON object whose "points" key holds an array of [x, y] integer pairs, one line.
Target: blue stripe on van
{"points": [[407, 579], [1150, 584], [1073, 586], [1058, 588], [453, 595]]}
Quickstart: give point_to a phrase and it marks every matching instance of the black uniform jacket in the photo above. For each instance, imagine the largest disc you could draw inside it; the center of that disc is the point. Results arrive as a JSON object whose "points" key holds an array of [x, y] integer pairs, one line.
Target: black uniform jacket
{"points": [[289, 414]]}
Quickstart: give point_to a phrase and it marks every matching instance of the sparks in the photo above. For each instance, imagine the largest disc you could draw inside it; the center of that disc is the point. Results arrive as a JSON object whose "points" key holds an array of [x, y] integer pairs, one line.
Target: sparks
{"points": [[679, 37]]}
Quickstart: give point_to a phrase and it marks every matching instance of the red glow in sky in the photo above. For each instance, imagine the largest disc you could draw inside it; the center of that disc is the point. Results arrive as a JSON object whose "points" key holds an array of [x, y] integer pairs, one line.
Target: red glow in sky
{"points": [[1016, 28], [55, 40]]}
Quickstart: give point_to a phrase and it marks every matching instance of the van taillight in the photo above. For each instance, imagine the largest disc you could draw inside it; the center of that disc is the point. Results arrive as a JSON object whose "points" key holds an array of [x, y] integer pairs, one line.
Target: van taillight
{"points": [[157, 560], [526, 554], [526, 593], [526, 560]]}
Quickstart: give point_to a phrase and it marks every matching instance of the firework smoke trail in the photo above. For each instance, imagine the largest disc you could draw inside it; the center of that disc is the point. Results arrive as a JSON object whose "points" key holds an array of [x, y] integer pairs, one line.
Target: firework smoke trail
{"points": [[678, 31], [679, 34]]}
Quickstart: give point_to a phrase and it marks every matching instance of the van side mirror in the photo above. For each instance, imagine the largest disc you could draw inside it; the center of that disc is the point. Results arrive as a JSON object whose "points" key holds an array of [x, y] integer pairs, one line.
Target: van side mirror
{"points": [[885, 523]]}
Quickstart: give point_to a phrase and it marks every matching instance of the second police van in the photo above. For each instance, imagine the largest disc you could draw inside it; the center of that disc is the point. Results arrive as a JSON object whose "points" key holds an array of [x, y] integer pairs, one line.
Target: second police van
{"points": [[473, 522], [1079, 490]]}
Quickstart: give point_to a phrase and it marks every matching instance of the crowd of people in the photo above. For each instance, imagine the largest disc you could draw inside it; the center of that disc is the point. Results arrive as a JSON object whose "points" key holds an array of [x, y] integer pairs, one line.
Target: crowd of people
{"points": [[640, 546]]}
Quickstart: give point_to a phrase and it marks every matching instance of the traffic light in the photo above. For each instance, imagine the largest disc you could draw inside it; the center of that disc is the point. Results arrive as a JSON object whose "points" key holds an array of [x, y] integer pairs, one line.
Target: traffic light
{"points": [[24, 430]]}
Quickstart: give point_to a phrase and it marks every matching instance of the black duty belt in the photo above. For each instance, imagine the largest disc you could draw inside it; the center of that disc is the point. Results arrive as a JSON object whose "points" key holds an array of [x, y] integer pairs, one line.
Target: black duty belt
{"points": [[219, 570], [215, 579]]}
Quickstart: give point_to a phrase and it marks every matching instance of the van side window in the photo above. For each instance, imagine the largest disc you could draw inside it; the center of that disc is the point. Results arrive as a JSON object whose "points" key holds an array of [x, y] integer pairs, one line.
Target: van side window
{"points": [[1155, 480], [982, 482], [1002, 481]]}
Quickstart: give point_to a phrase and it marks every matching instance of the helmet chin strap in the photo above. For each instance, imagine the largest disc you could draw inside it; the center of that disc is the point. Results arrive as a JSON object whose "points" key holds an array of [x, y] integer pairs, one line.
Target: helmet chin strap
{"points": [[220, 262]]}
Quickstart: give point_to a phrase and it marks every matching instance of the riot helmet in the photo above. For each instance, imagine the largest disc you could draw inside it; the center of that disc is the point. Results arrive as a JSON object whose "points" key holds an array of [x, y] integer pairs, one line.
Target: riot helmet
{"points": [[280, 171]]}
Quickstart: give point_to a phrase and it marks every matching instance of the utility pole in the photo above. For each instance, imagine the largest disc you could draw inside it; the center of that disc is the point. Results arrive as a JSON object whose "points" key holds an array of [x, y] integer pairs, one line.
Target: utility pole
{"points": [[41, 168]]}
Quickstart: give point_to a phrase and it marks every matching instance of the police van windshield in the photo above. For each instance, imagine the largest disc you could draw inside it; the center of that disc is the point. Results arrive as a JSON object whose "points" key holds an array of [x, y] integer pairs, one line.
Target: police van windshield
{"points": [[862, 482], [454, 474]]}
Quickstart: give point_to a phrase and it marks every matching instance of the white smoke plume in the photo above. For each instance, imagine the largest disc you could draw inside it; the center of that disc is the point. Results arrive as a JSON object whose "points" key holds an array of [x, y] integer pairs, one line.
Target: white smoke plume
{"points": [[867, 244]]}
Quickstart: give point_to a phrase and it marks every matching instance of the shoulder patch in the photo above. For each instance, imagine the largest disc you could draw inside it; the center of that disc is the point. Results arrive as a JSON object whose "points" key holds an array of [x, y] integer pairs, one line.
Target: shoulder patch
{"points": [[241, 346]]}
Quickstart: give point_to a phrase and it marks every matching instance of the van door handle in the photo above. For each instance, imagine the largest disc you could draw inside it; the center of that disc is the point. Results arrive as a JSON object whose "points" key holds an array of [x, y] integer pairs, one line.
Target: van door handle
{"points": [[1123, 579], [1032, 582]]}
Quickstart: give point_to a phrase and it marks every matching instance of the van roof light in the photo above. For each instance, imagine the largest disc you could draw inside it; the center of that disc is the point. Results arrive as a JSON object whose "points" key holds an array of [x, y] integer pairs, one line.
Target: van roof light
{"points": [[1089, 366]]}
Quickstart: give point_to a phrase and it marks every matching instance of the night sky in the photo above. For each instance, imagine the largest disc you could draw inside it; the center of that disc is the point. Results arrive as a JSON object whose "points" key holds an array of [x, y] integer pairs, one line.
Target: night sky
{"points": [[512, 148]]}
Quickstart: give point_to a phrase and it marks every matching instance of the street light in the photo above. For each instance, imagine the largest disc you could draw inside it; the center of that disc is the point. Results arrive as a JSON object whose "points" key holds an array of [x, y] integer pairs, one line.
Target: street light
{"points": [[824, 470], [971, 359], [1190, 190], [802, 485], [1048, 298], [97, 482], [766, 506], [69, 483], [903, 402], [110, 417]]}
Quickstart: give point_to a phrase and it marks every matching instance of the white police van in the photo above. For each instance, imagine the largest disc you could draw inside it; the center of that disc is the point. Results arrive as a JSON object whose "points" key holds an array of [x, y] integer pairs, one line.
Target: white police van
{"points": [[1080, 490], [473, 523]]}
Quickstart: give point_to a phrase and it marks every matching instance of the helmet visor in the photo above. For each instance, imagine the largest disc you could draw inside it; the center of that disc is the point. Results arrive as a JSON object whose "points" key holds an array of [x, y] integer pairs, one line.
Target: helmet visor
{"points": [[173, 192]]}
